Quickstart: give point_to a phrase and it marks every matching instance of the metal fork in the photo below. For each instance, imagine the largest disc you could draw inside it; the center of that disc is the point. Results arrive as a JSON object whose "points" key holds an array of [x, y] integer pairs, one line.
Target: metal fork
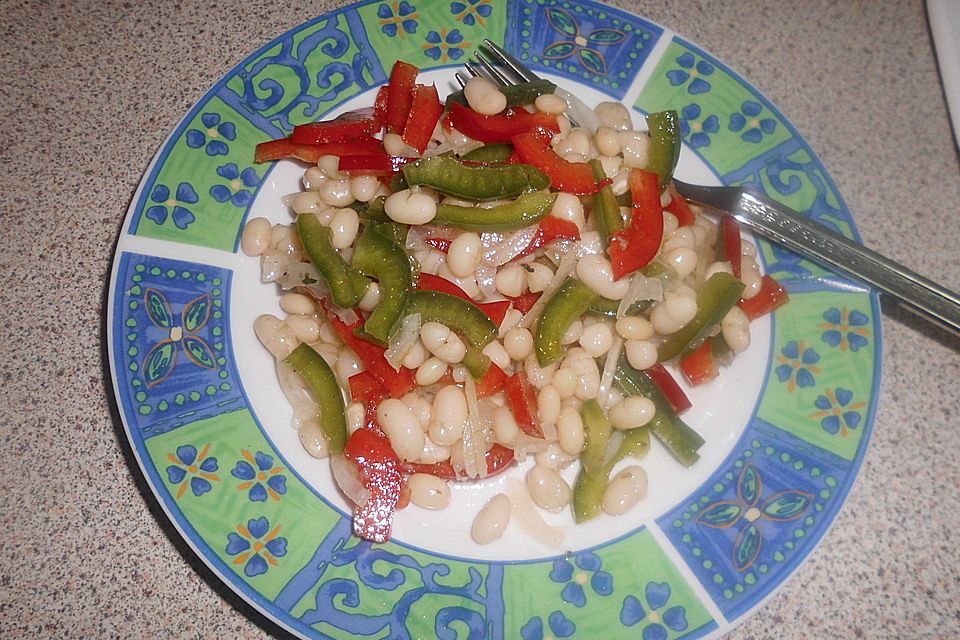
{"points": [[777, 222]]}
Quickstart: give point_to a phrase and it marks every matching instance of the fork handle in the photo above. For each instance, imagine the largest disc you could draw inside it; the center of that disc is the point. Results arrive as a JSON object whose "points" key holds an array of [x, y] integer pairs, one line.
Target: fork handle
{"points": [[793, 231]]}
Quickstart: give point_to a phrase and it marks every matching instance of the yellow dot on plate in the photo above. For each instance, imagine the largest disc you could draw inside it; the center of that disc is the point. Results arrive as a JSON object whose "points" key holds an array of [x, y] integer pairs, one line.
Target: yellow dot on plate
{"points": [[235, 185], [171, 202], [176, 334], [653, 617], [752, 514], [581, 578], [580, 40], [212, 132]]}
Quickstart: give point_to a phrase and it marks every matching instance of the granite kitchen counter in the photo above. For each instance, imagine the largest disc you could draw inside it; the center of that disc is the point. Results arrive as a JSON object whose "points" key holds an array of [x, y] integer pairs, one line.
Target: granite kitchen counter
{"points": [[90, 90]]}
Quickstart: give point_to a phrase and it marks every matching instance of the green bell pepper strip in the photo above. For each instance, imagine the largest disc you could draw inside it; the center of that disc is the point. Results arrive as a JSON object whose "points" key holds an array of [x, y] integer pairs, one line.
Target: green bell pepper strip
{"points": [[571, 301], [681, 440], [606, 209], [665, 139], [452, 177], [326, 390], [516, 94], [378, 256], [528, 209], [594, 475], [347, 285], [465, 318], [493, 152], [716, 297]]}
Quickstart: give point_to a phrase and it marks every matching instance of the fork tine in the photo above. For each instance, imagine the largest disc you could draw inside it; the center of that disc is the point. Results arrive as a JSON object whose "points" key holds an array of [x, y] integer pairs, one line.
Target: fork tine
{"points": [[509, 61], [472, 68], [492, 70], [461, 80]]}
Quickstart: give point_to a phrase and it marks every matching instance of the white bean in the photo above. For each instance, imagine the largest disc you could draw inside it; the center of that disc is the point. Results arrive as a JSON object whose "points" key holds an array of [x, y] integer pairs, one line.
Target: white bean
{"points": [[492, 520], [402, 428], [511, 280], [336, 193], [371, 297], [464, 254], [751, 278], [596, 339], [256, 237], [611, 164], [548, 405], [538, 276], [505, 428], [539, 376], [347, 365], [717, 267], [484, 97], [430, 371], [735, 328], [547, 488], [570, 432], [429, 492], [343, 228], [641, 354], [307, 202], [442, 342], [364, 188], [394, 145], [631, 412], [565, 382], [573, 333], [297, 303], [625, 490], [681, 237], [553, 457], [510, 321], [313, 177], [450, 408], [595, 272], [550, 103], [421, 407], [313, 439], [275, 335], [330, 166], [409, 207], [518, 343], [497, 354], [305, 328], [634, 328], [607, 142], [356, 415], [682, 259], [614, 115], [416, 356], [635, 147]]}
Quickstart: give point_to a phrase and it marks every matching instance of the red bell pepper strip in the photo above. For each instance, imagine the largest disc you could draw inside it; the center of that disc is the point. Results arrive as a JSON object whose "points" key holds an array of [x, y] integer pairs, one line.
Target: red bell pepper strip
{"points": [[287, 148], [550, 228], [500, 127], [679, 207], [525, 301], [425, 110], [730, 232], [571, 177], [771, 295], [635, 246], [440, 244], [397, 383], [377, 164], [380, 106], [379, 469], [400, 97], [498, 458], [522, 400], [496, 311], [347, 126], [365, 386], [669, 387], [699, 366], [493, 381]]}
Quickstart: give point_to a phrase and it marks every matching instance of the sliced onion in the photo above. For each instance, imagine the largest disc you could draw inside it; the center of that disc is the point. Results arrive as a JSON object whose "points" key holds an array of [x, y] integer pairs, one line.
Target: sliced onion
{"points": [[578, 110], [525, 513], [567, 264], [298, 273], [292, 385], [347, 316], [272, 266], [641, 288], [347, 477], [500, 248], [609, 369], [403, 340], [524, 445], [474, 444], [590, 244], [487, 280]]}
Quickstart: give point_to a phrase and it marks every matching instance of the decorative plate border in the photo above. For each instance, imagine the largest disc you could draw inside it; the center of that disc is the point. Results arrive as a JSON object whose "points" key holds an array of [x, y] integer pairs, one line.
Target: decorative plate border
{"points": [[706, 562]]}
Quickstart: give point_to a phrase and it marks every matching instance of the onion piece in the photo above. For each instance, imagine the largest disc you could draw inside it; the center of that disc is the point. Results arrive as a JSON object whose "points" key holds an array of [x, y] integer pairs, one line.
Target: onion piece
{"points": [[609, 369], [403, 340], [347, 476], [524, 445], [567, 264], [525, 513], [641, 288], [500, 248], [474, 449], [347, 316], [578, 110], [487, 280]]}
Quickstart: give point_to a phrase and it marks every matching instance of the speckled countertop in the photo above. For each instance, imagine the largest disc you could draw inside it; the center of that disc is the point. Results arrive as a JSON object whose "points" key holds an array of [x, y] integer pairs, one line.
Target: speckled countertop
{"points": [[89, 90]]}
